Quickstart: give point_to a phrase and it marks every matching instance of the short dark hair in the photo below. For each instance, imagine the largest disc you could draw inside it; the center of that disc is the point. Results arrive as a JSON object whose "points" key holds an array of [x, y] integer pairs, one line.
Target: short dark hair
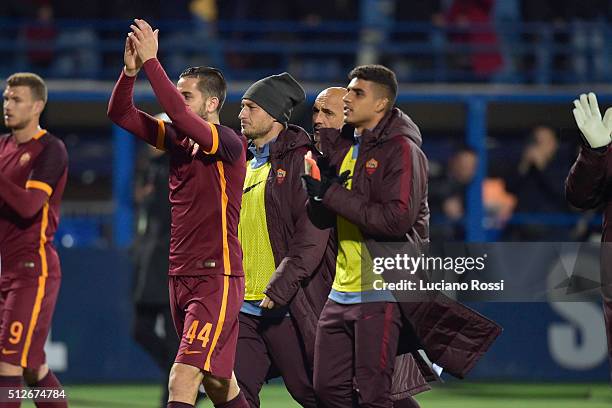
{"points": [[36, 84], [380, 75], [211, 82]]}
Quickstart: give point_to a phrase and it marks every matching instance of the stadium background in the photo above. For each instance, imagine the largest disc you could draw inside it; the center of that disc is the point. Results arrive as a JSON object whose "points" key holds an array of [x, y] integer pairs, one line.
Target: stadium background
{"points": [[476, 73]]}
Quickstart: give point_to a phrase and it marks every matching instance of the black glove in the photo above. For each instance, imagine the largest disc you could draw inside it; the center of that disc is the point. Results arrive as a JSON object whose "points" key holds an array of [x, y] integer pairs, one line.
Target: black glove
{"points": [[325, 167], [316, 189]]}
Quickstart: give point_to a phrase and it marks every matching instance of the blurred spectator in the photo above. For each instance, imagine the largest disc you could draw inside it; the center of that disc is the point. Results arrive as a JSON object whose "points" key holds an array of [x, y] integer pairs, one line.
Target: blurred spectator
{"points": [[447, 196], [498, 205], [205, 13], [150, 257], [473, 18], [39, 38], [538, 185]]}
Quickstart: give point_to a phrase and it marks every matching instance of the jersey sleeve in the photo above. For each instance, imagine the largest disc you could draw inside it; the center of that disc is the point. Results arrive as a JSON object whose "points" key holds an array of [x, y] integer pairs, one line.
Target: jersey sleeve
{"points": [[213, 139], [227, 144], [48, 167], [123, 112]]}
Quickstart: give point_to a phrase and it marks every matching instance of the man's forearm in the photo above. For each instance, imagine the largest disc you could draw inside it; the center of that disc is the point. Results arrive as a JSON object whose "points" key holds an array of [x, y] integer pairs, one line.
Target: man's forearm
{"points": [[585, 182], [390, 219], [121, 110], [174, 105], [25, 202]]}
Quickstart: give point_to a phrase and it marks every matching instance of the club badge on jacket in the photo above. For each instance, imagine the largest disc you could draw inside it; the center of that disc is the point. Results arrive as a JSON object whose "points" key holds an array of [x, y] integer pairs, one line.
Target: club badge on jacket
{"points": [[371, 166], [280, 176]]}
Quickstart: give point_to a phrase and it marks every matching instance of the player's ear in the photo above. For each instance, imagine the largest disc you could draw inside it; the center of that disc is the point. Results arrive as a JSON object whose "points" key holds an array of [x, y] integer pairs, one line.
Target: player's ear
{"points": [[212, 103], [39, 106], [381, 104]]}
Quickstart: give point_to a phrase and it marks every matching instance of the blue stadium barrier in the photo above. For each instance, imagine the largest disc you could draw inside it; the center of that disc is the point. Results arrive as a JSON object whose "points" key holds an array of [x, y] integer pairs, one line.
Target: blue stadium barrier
{"points": [[562, 341], [92, 320], [91, 43], [91, 337]]}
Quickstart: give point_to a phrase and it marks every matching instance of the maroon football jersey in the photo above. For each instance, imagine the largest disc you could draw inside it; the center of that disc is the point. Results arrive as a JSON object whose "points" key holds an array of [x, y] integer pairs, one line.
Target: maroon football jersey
{"points": [[205, 194], [41, 163], [205, 185]]}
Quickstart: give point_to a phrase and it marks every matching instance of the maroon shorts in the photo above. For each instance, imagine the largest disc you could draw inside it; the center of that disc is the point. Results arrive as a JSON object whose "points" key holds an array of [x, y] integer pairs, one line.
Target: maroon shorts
{"points": [[205, 313], [26, 310]]}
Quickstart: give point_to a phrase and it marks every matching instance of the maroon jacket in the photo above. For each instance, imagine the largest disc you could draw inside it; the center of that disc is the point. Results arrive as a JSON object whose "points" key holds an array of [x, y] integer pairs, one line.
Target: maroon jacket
{"points": [[588, 187], [297, 245], [388, 202]]}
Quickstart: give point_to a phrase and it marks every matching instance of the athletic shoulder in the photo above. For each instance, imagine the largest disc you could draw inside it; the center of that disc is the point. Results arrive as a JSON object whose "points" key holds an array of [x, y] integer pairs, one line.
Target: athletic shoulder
{"points": [[54, 147], [229, 131]]}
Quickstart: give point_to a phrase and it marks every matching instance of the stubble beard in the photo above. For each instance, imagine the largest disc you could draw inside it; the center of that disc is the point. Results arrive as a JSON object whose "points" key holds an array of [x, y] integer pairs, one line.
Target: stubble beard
{"points": [[202, 112], [257, 133], [20, 125]]}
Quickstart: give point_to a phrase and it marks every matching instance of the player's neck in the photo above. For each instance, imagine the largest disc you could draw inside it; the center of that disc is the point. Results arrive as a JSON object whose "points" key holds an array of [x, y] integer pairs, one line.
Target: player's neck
{"points": [[370, 124], [26, 134], [213, 118]]}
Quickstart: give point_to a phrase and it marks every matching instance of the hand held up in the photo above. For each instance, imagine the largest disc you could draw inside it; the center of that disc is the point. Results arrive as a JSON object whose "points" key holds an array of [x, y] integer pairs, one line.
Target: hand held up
{"points": [[588, 118]]}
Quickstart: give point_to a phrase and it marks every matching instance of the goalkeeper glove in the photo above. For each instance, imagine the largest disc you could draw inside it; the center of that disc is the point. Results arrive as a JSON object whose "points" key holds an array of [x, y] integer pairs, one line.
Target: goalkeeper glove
{"points": [[588, 118]]}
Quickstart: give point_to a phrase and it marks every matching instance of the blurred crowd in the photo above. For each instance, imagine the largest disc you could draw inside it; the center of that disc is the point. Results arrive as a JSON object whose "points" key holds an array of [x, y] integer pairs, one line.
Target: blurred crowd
{"points": [[532, 185], [522, 194], [477, 40], [436, 11]]}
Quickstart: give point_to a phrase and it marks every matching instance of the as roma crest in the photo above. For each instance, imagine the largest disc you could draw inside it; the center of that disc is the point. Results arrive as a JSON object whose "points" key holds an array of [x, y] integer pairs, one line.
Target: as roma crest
{"points": [[280, 176], [24, 159], [371, 166]]}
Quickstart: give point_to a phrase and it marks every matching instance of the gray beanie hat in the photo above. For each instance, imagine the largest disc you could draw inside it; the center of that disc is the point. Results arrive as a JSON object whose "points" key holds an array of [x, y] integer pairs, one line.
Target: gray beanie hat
{"points": [[277, 95]]}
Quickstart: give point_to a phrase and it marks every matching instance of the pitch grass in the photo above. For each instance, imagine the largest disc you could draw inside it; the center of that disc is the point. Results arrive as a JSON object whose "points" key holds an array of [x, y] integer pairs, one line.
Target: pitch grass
{"points": [[455, 395]]}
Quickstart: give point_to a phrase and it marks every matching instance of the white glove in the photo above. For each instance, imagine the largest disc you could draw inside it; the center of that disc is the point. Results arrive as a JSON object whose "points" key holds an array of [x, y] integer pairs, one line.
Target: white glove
{"points": [[588, 118]]}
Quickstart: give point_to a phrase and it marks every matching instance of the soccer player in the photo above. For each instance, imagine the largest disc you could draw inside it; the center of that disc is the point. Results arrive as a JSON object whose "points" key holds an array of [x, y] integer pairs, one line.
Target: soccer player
{"points": [[33, 172], [373, 190], [384, 199], [206, 278], [285, 289], [327, 111], [588, 185]]}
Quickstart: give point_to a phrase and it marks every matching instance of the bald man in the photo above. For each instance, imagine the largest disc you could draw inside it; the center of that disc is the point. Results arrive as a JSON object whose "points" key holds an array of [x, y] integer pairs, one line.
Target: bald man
{"points": [[327, 111]]}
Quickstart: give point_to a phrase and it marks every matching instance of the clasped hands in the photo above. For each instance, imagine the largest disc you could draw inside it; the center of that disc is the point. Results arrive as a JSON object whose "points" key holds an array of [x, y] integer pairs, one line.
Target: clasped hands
{"points": [[141, 45]]}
